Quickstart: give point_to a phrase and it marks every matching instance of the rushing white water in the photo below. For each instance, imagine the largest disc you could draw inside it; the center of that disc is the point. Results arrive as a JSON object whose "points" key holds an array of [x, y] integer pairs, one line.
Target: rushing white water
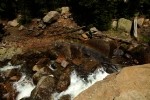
{"points": [[78, 84], [24, 86], [9, 66]]}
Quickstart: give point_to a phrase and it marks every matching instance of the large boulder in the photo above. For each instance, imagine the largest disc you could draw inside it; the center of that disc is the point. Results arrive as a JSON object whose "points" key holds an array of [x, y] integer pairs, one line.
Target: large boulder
{"points": [[51, 16], [124, 24], [64, 80], [100, 45], [131, 83]]}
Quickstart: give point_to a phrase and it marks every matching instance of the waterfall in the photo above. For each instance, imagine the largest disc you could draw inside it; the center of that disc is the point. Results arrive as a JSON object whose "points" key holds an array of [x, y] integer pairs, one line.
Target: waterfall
{"points": [[78, 84], [135, 27]]}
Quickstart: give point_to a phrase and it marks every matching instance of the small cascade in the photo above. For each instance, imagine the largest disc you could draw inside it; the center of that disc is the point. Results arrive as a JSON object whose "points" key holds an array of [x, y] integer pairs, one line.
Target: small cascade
{"points": [[9, 66], [78, 84], [24, 86]]}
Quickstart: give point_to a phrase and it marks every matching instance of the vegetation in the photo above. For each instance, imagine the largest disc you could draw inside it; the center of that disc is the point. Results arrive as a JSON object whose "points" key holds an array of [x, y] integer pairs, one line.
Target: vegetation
{"points": [[97, 13]]}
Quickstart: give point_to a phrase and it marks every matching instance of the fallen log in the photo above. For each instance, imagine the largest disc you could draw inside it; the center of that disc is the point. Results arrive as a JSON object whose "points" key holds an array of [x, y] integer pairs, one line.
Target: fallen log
{"points": [[132, 42], [70, 31]]}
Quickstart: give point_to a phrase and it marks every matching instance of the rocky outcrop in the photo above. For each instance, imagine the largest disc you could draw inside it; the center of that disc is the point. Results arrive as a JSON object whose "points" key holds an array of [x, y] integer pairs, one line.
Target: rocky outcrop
{"points": [[131, 83], [51, 16]]}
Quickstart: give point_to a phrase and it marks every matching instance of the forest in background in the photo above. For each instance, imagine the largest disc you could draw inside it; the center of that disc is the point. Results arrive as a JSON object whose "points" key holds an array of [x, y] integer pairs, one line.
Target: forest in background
{"points": [[97, 13]]}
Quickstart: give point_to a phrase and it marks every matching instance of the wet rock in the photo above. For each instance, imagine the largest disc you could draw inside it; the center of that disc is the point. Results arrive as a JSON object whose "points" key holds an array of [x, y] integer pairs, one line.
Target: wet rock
{"points": [[65, 97], [43, 62], [76, 51], [14, 78], [31, 59], [53, 65], [60, 59], [42, 72], [140, 53], [87, 66], [2, 77], [77, 61], [17, 60], [11, 72], [64, 80], [7, 92], [124, 24], [63, 49], [113, 46], [109, 68], [44, 89], [131, 83], [26, 98], [118, 52], [100, 45], [51, 16]]}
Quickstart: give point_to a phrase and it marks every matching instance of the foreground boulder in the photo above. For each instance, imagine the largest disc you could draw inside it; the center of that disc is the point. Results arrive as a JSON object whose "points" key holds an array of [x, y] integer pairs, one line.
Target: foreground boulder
{"points": [[132, 83]]}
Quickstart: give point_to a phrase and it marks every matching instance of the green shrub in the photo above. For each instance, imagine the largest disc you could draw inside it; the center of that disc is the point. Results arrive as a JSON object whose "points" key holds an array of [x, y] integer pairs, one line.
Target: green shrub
{"points": [[25, 19]]}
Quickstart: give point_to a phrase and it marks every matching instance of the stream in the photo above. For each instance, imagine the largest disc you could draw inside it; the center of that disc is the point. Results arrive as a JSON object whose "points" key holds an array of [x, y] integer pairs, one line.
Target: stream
{"points": [[65, 70]]}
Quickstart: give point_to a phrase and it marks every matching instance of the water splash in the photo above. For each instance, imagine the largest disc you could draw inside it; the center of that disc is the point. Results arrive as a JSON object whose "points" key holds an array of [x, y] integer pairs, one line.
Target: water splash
{"points": [[78, 84], [9, 66], [24, 86]]}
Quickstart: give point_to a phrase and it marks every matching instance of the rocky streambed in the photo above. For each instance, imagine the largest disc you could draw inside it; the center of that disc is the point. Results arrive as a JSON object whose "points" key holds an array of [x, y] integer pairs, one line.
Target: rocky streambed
{"points": [[60, 72], [63, 71]]}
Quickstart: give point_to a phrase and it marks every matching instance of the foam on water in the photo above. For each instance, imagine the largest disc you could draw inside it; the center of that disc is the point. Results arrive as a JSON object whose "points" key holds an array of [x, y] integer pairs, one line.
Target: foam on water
{"points": [[24, 86], [78, 84], [9, 66]]}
